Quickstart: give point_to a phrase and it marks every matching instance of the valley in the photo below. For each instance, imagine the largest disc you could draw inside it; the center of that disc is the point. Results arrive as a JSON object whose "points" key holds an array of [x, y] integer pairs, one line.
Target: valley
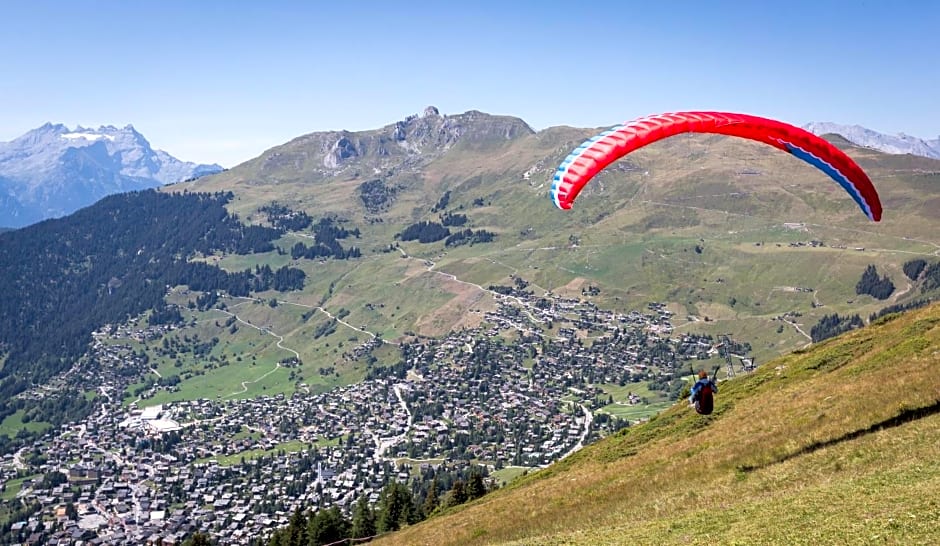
{"points": [[402, 304], [503, 396]]}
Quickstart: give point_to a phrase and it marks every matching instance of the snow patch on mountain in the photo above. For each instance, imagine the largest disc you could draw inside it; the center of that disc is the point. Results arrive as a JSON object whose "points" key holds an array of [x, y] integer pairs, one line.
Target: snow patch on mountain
{"points": [[86, 136]]}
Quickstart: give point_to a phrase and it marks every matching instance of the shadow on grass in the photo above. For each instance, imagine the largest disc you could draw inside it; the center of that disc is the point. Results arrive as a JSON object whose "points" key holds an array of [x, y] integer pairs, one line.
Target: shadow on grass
{"points": [[906, 416]]}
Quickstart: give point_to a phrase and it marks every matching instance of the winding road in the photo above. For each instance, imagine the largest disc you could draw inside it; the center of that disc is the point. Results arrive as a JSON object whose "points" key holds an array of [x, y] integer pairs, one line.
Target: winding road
{"points": [[280, 341]]}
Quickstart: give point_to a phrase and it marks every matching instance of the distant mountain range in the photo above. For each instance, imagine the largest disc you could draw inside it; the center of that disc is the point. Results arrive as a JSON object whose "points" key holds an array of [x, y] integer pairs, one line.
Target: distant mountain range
{"points": [[52, 171], [892, 144]]}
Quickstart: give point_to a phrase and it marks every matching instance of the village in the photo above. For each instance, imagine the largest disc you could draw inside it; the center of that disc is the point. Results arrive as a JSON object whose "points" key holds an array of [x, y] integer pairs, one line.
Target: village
{"points": [[236, 469]]}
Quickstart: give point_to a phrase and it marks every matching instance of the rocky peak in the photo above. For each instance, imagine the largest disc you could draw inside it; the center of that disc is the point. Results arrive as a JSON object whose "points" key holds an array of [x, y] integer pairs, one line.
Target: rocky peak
{"points": [[52, 170], [426, 135], [342, 149]]}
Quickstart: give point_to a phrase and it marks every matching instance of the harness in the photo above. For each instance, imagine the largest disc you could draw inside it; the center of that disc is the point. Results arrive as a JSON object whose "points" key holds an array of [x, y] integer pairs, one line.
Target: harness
{"points": [[704, 399], [705, 403]]}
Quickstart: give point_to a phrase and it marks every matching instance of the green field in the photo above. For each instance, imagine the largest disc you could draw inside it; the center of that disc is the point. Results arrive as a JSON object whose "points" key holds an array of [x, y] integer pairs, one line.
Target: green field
{"points": [[505, 476], [292, 446], [244, 361], [14, 423], [14, 486], [654, 401]]}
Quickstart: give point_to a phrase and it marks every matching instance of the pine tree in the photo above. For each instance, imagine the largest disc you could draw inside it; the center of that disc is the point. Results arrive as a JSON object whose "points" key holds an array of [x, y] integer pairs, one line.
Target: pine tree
{"points": [[327, 526], [198, 539], [298, 529], [913, 268], [363, 519], [873, 285], [396, 507], [475, 487], [432, 500], [458, 493]]}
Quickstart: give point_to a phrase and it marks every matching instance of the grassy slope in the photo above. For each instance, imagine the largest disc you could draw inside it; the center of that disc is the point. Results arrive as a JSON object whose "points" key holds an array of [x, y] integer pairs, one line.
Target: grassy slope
{"points": [[793, 454]]}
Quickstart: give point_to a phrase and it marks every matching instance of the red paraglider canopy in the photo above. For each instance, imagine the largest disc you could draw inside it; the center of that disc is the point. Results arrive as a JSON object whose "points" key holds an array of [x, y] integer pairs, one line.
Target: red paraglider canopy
{"points": [[600, 151]]}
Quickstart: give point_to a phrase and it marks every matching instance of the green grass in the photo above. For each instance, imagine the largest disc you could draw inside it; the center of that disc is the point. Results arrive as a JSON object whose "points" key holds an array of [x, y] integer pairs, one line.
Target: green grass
{"points": [[291, 446], [635, 413], [14, 423], [417, 462], [245, 433], [829, 445], [14, 486], [237, 262], [506, 475], [655, 401]]}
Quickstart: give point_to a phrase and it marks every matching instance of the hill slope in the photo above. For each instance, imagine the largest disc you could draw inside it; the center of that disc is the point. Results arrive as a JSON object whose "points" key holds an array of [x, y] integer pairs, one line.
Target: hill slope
{"points": [[717, 228], [834, 444]]}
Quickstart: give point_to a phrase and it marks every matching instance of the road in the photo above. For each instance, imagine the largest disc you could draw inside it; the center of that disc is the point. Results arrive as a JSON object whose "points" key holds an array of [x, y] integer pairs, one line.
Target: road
{"points": [[588, 419], [800, 330], [280, 341], [382, 445], [523, 304]]}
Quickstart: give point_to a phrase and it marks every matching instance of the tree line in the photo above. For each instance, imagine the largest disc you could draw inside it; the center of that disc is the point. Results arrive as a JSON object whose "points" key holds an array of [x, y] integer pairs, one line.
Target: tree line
{"points": [[833, 325], [880, 287], [921, 270], [900, 308], [917, 270], [469, 237], [424, 232], [398, 505]]}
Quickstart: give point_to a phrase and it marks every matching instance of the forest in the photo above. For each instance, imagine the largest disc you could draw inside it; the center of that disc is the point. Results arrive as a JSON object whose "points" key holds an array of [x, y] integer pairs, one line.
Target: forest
{"points": [[877, 287], [67, 277]]}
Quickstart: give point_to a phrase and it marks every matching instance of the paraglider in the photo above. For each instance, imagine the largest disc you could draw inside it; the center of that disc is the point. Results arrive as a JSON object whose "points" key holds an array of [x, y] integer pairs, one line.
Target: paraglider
{"points": [[701, 397], [600, 151]]}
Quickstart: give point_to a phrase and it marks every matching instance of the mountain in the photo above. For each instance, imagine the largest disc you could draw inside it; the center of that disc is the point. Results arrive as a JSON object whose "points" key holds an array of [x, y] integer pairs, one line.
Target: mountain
{"points": [[731, 235], [368, 252], [721, 228], [52, 170], [892, 144], [835, 444], [401, 147]]}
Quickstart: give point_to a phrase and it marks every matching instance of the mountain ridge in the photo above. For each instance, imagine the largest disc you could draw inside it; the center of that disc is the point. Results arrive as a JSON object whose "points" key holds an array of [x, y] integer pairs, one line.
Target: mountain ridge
{"points": [[52, 170], [421, 151], [892, 144], [430, 133]]}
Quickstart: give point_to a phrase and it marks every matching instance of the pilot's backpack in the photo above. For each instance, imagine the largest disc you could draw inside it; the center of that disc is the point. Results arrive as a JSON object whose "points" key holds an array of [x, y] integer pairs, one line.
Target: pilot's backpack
{"points": [[704, 404]]}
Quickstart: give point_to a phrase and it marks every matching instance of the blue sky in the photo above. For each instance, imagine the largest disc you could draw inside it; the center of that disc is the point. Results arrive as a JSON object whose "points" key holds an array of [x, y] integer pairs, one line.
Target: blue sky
{"points": [[221, 81]]}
